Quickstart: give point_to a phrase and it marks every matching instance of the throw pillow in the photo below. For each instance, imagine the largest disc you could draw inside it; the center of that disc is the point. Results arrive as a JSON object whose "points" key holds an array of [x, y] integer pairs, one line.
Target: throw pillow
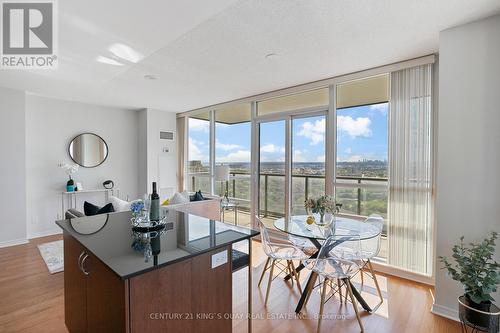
{"points": [[119, 205], [198, 196], [185, 194], [106, 209], [91, 209], [178, 198]]}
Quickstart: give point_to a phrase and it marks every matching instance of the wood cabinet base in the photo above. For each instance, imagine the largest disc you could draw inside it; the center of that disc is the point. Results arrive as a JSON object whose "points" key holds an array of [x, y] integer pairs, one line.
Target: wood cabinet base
{"points": [[188, 296]]}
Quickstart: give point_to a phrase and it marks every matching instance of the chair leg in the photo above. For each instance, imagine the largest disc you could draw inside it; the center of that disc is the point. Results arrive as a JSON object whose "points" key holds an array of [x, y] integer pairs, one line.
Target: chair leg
{"points": [[362, 278], [355, 305], [322, 305], [289, 270], [294, 273], [264, 271], [339, 284], [270, 281], [372, 272]]}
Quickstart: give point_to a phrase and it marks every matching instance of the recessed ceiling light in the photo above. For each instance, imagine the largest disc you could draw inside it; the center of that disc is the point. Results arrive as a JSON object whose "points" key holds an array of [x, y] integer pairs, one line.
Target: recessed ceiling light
{"points": [[151, 77], [108, 61], [125, 52], [271, 56]]}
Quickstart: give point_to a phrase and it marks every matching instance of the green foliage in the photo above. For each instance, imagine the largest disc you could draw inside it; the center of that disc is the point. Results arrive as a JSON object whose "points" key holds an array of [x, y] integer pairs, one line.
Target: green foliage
{"points": [[475, 268]]}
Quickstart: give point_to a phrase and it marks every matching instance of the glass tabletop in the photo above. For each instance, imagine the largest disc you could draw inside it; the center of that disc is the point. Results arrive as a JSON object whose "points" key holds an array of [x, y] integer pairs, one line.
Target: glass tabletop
{"points": [[297, 226]]}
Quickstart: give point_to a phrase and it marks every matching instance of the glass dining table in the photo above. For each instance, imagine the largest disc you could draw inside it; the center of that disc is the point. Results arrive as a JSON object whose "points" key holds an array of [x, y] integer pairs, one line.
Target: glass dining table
{"points": [[342, 226]]}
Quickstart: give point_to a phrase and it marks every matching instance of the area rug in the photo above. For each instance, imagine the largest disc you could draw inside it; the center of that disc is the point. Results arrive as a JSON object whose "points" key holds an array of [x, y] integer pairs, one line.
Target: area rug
{"points": [[53, 255]]}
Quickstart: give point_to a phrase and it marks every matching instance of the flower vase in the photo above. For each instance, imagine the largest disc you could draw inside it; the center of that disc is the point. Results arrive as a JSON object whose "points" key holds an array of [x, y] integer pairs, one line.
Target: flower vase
{"points": [[70, 185], [323, 219]]}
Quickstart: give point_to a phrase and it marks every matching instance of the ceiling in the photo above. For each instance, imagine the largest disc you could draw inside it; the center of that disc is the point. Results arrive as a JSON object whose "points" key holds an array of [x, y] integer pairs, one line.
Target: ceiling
{"points": [[207, 52]]}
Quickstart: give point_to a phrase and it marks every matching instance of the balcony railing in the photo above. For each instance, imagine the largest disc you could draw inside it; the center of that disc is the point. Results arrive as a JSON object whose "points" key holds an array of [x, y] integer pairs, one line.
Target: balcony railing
{"points": [[359, 195]]}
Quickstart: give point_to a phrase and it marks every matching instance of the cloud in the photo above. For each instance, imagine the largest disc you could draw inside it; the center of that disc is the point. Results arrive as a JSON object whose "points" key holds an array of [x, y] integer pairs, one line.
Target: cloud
{"points": [[226, 146], [348, 150], [360, 127], [237, 156], [320, 158], [195, 153], [271, 148], [199, 125], [314, 132]]}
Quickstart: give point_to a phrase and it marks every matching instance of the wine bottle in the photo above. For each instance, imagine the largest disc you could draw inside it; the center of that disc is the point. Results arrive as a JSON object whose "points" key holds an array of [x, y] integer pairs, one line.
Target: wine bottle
{"points": [[154, 213]]}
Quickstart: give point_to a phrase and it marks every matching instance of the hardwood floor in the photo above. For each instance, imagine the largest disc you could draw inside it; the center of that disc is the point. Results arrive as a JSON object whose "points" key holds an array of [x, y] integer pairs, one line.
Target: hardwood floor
{"points": [[32, 300]]}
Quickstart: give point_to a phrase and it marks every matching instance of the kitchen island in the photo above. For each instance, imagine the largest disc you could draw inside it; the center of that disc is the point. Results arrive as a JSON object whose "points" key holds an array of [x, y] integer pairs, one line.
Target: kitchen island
{"points": [[178, 279]]}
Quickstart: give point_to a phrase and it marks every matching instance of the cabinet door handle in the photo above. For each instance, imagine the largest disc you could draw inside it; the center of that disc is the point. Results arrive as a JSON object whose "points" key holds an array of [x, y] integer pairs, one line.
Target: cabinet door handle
{"points": [[83, 265], [79, 259]]}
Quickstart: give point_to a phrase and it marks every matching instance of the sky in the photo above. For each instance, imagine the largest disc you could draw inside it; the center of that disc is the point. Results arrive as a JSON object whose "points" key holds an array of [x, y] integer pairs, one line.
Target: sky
{"points": [[361, 134]]}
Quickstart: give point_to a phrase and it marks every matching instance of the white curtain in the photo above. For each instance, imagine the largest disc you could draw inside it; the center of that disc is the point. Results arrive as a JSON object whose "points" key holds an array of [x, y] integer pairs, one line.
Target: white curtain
{"points": [[410, 218]]}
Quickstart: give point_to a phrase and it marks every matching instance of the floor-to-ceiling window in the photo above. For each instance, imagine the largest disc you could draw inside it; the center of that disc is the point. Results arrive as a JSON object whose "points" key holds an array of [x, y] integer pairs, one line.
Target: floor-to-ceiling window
{"points": [[362, 135], [362, 159], [198, 165], [233, 150], [283, 149]]}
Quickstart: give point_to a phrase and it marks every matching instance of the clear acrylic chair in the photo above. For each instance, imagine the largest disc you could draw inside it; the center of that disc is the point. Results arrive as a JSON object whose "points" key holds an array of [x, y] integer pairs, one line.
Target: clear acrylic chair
{"points": [[329, 266], [277, 252], [368, 248]]}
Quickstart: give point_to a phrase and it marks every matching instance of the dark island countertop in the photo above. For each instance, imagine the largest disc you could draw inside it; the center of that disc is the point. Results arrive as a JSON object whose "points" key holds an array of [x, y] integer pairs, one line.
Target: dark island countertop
{"points": [[111, 239]]}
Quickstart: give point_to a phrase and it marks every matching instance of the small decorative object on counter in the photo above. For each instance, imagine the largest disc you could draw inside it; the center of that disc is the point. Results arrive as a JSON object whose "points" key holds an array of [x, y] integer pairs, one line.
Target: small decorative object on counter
{"points": [[137, 208], [479, 274], [141, 221], [323, 207], [108, 184], [69, 169]]}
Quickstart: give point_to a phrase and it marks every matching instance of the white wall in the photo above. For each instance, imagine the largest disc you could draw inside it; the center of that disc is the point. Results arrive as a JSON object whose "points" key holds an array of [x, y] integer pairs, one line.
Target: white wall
{"points": [[160, 162], [12, 167], [50, 126], [468, 177]]}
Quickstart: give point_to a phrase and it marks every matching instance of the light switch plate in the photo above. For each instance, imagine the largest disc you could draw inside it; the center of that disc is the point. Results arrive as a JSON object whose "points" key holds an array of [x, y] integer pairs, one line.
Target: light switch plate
{"points": [[219, 259]]}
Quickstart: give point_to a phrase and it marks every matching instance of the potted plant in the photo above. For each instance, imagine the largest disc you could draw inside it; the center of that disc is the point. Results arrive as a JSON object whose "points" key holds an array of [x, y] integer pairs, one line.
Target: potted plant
{"points": [[479, 274], [69, 169]]}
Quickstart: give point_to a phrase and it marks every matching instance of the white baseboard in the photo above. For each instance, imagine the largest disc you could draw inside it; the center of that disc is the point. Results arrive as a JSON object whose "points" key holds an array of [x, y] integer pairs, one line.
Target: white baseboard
{"points": [[445, 311], [13, 242], [44, 233]]}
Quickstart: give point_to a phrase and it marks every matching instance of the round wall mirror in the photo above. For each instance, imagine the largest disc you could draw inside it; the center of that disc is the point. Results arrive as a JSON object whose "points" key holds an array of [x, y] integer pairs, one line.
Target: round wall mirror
{"points": [[88, 150]]}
